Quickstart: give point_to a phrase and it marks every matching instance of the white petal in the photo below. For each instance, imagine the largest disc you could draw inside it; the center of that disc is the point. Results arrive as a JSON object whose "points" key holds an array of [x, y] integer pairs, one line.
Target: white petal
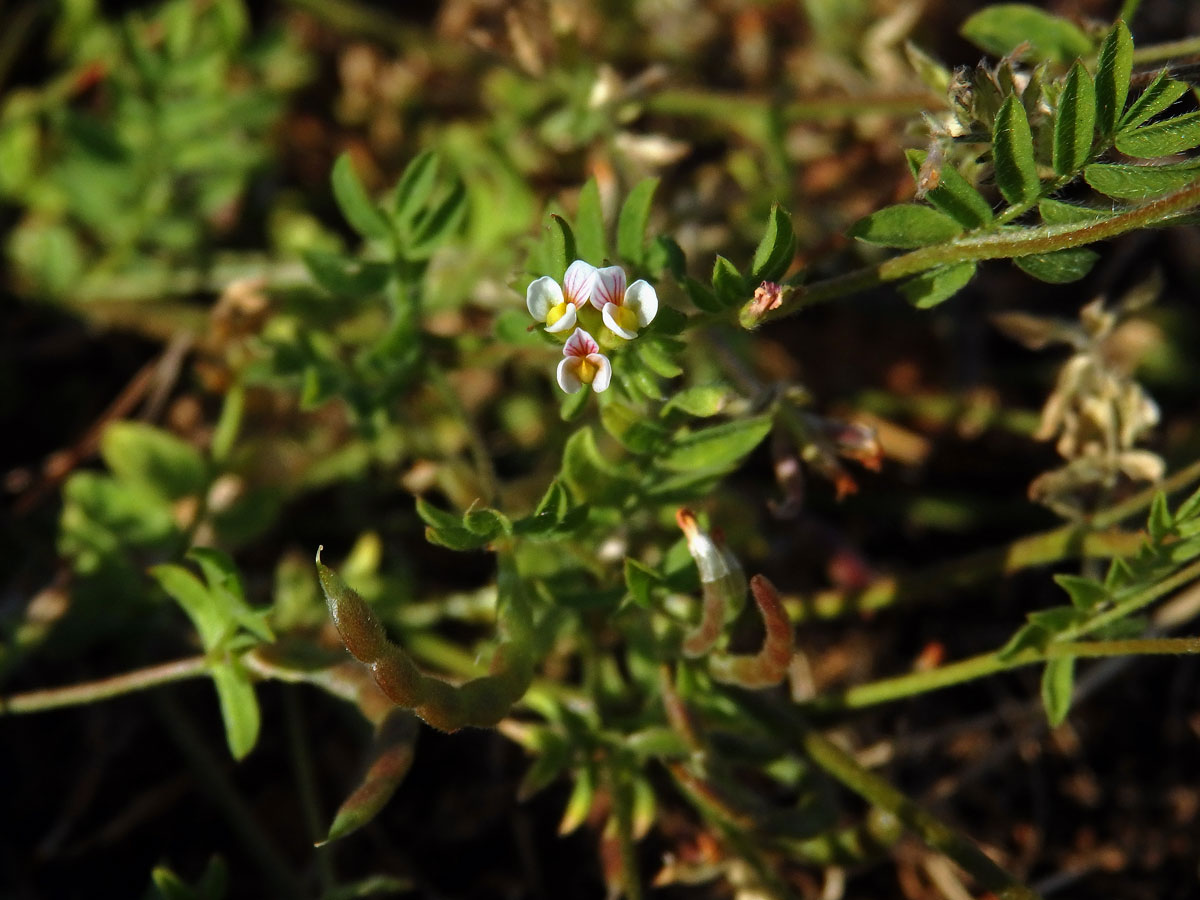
{"points": [[580, 344], [579, 282], [567, 379], [567, 321], [609, 314], [643, 300], [603, 371], [541, 296], [610, 286]]}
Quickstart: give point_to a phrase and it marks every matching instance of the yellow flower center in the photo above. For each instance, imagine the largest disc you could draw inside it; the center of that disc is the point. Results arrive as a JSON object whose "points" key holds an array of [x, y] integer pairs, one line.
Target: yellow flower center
{"points": [[626, 318], [585, 371], [556, 313]]}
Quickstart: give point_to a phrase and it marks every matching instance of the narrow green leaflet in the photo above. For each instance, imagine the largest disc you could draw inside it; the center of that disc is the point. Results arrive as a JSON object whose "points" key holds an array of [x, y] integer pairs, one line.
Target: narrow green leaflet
{"points": [[589, 225], [1016, 169], [1001, 28], [1085, 593], [560, 246], [589, 475], [239, 706], [1060, 267], [436, 224], [1113, 69], [1075, 122], [345, 277], [776, 249], [954, 195], [1157, 96], [1059, 212], [728, 283], [631, 428], [721, 446], [701, 401], [640, 580], [1126, 182], [414, 188], [905, 225], [1161, 138], [631, 223], [362, 214], [1058, 683], [937, 285], [702, 296], [210, 617], [155, 459]]}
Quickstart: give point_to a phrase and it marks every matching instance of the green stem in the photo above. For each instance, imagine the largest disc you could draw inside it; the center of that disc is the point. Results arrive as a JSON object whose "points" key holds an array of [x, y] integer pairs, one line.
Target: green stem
{"points": [[904, 686], [306, 784], [105, 688], [1006, 244], [875, 790], [1155, 53], [631, 879], [1065, 542]]}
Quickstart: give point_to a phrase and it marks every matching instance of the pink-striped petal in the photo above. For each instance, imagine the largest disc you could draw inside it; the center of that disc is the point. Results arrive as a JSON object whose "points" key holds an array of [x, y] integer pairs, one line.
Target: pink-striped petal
{"points": [[610, 286]]}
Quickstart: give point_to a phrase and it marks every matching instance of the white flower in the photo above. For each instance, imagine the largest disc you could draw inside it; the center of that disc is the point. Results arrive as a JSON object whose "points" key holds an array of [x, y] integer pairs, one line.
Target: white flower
{"points": [[556, 306], [624, 310], [583, 363]]}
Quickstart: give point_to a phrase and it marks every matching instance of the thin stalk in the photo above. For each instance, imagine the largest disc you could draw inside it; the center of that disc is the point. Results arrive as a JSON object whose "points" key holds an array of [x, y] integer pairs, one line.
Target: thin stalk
{"points": [[631, 878], [218, 789], [902, 687], [999, 245], [1065, 542], [843, 768], [306, 785], [105, 688], [1155, 53]]}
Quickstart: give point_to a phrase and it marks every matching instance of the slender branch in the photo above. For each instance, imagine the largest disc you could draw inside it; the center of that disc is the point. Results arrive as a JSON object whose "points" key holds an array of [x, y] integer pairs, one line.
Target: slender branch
{"points": [[889, 689], [105, 688], [999, 245], [1155, 53], [875, 790]]}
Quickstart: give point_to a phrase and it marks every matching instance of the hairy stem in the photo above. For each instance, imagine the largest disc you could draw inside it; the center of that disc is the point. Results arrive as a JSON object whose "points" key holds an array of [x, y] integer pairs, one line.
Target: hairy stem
{"points": [[997, 245], [105, 688]]}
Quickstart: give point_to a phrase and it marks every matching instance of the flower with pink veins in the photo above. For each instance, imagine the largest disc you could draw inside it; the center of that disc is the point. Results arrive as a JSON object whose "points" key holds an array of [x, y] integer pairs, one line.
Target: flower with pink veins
{"points": [[624, 310], [583, 363], [556, 306]]}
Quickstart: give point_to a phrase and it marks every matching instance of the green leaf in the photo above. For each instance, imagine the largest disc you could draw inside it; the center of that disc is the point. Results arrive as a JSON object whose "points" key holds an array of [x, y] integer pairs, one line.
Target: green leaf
{"points": [[487, 523], [1163, 138], [225, 585], [1139, 182], [1189, 508], [550, 763], [239, 706], [1000, 29], [573, 405], [229, 423], [1157, 96], [1042, 628], [560, 246], [448, 529], [1059, 267], [632, 429], [928, 289], [640, 580], [579, 804], [1074, 122], [776, 249], [438, 224], [657, 356], [1016, 170], [362, 214], [728, 283], [512, 327], [1160, 522], [1058, 682], [665, 255], [592, 477], [721, 446], [954, 195], [700, 295], [702, 400], [905, 225], [1113, 69], [414, 188], [345, 277], [1058, 212], [154, 459], [1085, 593], [631, 223], [210, 617], [589, 224]]}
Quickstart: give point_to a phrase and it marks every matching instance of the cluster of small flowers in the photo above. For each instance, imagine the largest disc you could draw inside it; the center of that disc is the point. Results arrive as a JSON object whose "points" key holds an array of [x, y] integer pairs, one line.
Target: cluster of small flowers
{"points": [[586, 291]]}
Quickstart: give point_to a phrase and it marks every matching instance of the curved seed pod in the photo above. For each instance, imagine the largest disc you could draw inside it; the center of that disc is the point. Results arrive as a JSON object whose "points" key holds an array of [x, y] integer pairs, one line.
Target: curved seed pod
{"points": [[480, 703], [722, 584], [391, 757], [768, 666]]}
